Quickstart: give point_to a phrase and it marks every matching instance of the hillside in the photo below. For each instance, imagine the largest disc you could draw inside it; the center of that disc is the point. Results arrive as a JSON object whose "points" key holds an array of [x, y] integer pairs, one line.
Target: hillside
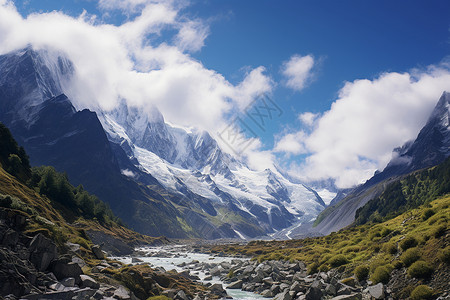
{"points": [[402, 250], [431, 147], [49, 228]]}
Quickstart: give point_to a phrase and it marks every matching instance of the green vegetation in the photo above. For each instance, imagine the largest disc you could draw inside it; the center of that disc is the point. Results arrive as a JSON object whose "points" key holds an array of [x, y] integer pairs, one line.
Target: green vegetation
{"points": [[57, 188], [381, 274], [12, 157], [361, 272], [414, 190], [410, 256], [337, 261], [408, 242], [420, 269], [369, 250], [421, 292]]}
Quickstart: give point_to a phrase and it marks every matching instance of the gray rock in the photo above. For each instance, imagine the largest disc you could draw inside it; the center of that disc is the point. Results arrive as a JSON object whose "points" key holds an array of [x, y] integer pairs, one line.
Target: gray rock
{"points": [[97, 251], [79, 261], [348, 297], [136, 260], [296, 287], [236, 285], [68, 282], [216, 271], [330, 289], [313, 293], [181, 295], [283, 296], [376, 291], [10, 238], [63, 270], [122, 293], [87, 281], [73, 247], [267, 293], [208, 278], [42, 252], [217, 289], [284, 286], [248, 270]]}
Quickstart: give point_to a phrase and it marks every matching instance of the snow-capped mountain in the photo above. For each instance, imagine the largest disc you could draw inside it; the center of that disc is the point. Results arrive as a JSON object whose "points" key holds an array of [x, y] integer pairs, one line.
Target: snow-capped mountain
{"points": [[161, 179], [29, 77], [188, 159]]}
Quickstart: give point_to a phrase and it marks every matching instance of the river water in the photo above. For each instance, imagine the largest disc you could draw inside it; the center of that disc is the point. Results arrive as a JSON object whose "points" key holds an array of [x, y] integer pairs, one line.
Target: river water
{"points": [[171, 257]]}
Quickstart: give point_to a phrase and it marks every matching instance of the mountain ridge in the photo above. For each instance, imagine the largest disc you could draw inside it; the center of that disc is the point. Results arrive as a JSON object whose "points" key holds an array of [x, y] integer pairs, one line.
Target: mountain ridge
{"points": [[431, 147], [149, 171]]}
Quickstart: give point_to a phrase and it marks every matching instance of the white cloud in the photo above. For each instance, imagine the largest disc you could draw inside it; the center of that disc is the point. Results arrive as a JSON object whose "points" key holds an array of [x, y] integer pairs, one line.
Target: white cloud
{"points": [[291, 143], [136, 61], [191, 36], [367, 121], [298, 71], [308, 118]]}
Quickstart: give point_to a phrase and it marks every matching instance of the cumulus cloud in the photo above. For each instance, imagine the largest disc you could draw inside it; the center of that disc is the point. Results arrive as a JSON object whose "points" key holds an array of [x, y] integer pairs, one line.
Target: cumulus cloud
{"points": [[145, 60], [291, 143], [367, 121], [308, 118], [298, 71]]}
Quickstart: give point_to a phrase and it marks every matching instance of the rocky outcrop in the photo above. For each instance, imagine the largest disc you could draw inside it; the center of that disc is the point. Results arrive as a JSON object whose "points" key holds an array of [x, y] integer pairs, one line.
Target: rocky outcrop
{"points": [[31, 267]]}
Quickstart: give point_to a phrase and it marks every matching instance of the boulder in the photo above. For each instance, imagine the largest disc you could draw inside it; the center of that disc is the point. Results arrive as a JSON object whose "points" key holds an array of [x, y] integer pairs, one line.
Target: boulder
{"points": [[235, 285], [87, 281], [216, 271], [267, 294], [181, 295], [284, 296], [217, 289], [313, 293], [97, 251], [376, 291], [42, 252], [10, 238], [62, 270], [122, 293]]}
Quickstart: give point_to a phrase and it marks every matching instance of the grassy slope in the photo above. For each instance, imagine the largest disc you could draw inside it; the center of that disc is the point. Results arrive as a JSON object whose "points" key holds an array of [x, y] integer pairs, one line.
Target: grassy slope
{"points": [[47, 216], [371, 245]]}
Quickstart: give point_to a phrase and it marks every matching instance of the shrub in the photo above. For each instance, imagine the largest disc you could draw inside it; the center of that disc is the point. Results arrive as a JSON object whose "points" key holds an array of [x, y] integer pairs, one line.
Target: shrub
{"points": [[337, 261], [439, 231], [410, 256], [420, 269], [385, 232], [408, 242], [324, 268], [398, 264], [427, 214], [361, 272], [390, 248], [421, 292], [444, 256], [381, 274], [313, 268]]}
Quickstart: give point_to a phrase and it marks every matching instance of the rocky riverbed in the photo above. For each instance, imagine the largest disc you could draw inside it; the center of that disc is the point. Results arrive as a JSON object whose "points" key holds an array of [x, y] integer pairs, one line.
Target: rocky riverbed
{"points": [[279, 280]]}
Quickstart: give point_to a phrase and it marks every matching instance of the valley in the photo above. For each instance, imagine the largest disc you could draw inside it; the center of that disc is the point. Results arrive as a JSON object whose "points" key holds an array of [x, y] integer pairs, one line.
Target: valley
{"points": [[301, 154]]}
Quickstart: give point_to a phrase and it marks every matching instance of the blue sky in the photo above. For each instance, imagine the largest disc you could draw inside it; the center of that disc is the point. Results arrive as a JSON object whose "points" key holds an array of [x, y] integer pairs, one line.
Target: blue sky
{"points": [[349, 41]]}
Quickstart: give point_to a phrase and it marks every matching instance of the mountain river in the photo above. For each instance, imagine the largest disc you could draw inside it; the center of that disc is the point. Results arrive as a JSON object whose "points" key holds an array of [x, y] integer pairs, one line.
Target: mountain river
{"points": [[176, 258]]}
